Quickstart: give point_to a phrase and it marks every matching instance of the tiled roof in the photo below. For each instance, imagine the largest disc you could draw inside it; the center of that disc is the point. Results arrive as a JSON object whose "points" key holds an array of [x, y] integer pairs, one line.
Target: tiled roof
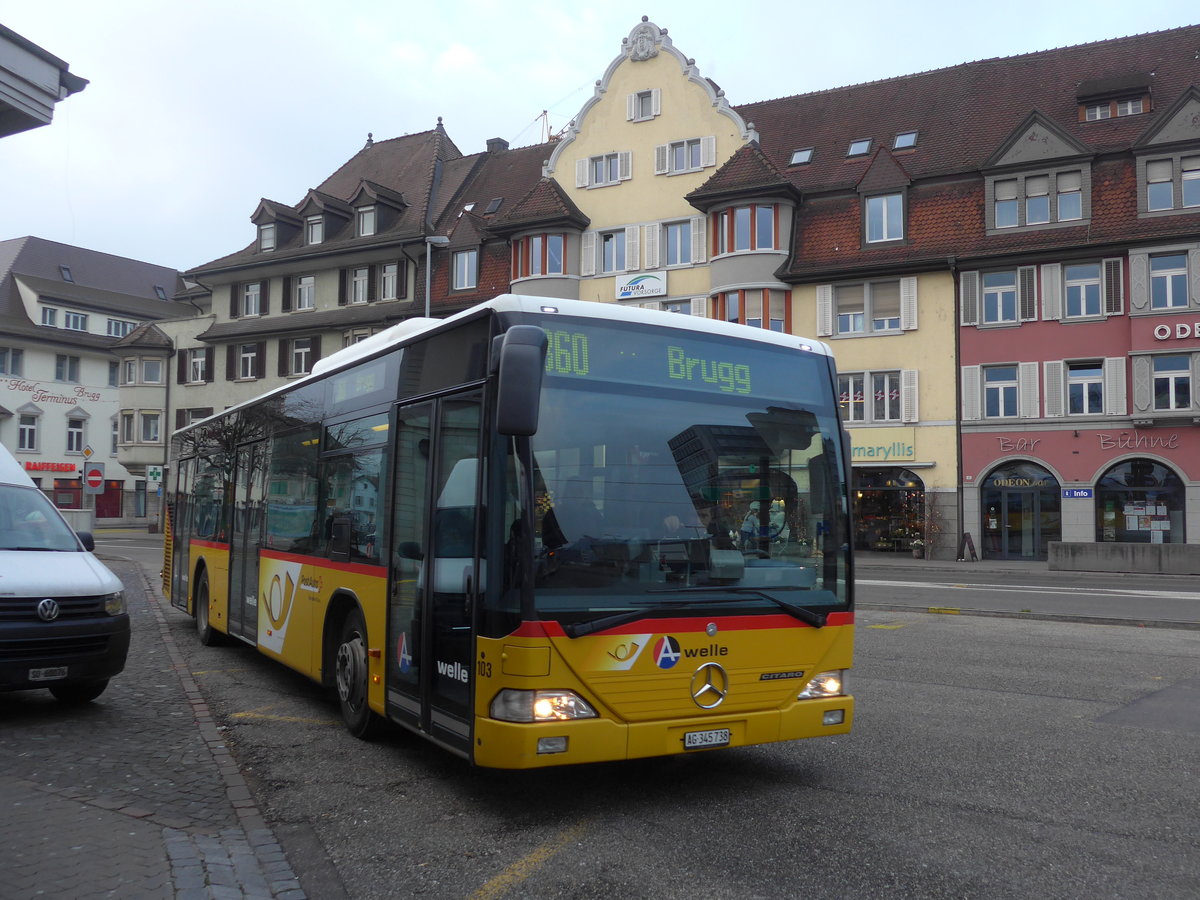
{"points": [[503, 174], [546, 203], [749, 170]]}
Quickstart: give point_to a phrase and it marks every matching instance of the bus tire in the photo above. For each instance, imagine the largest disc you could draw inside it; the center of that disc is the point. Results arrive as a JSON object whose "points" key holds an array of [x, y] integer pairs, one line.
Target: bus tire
{"points": [[79, 693], [208, 635], [350, 678]]}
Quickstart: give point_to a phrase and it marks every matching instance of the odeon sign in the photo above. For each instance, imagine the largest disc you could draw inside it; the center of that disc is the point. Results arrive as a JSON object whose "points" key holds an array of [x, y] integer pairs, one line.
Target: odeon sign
{"points": [[1180, 330]]}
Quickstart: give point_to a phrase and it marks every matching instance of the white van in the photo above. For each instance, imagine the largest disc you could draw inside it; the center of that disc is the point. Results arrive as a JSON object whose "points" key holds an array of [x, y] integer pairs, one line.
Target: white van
{"points": [[63, 623]]}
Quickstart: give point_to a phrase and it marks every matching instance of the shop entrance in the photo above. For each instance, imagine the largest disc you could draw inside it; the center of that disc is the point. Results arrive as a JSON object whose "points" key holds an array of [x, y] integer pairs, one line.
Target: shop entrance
{"points": [[1022, 512]]}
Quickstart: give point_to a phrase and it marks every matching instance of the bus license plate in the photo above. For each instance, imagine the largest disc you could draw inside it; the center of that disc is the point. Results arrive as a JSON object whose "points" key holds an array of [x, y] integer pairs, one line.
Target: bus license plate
{"points": [[51, 674], [700, 740]]}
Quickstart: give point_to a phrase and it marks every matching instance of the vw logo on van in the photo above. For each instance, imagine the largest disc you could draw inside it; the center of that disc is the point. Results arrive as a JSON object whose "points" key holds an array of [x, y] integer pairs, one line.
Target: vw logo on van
{"points": [[48, 610]]}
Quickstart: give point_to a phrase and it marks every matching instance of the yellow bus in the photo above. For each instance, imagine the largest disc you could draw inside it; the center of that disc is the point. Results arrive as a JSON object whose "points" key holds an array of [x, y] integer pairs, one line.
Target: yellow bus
{"points": [[539, 532]]}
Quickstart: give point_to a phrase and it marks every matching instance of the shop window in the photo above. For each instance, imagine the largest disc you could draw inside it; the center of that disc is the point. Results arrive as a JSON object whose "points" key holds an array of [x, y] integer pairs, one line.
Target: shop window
{"points": [[1140, 501], [889, 509]]}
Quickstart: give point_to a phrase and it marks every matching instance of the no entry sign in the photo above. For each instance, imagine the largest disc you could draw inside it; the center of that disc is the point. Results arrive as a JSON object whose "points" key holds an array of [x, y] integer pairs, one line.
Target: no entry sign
{"points": [[93, 478]]}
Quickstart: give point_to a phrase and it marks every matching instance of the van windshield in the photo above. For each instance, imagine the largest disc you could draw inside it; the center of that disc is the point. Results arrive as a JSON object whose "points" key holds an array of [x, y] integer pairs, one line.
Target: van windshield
{"points": [[28, 521]]}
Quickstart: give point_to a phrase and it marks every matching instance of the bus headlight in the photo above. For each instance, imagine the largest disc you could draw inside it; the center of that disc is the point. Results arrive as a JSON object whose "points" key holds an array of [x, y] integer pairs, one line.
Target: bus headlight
{"points": [[511, 705], [114, 604], [825, 684]]}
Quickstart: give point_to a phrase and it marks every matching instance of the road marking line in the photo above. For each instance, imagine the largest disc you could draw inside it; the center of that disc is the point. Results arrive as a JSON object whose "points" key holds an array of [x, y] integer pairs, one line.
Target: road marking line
{"points": [[945, 610], [890, 627], [523, 868]]}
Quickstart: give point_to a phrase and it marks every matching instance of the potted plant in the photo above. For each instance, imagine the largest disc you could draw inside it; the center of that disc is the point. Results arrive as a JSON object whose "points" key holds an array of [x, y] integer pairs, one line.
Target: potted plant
{"points": [[918, 548]]}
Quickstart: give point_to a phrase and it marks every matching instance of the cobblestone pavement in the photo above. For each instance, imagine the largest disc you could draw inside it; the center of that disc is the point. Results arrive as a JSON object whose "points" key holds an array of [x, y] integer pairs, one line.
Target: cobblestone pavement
{"points": [[135, 794]]}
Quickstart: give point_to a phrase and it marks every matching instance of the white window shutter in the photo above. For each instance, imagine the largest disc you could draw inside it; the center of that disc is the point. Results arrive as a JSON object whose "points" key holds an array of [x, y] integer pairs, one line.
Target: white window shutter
{"points": [[1115, 403], [1027, 390], [624, 165], [1195, 380], [824, 310], [968, 299], [1027, 292], [1113, 286], [909, 411], [908, 304], [972, 390], [708, 151], [653, 232], [1055, 400], [1052, 299], [1139, 280], [1194, 279], [700, 307], [699, 239], [661, 159], [656, 101], [587, 253], [1143, 394], [581, 172], [631, 107], [633, 255]]}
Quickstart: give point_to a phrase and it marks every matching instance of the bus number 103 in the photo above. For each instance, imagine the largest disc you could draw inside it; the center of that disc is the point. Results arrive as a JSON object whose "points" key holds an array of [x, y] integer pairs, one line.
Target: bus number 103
{"points": [[567, 353]]}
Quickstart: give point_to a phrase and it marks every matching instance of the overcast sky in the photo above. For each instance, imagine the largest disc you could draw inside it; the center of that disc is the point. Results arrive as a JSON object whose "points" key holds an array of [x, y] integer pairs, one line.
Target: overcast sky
{"points": [[195, 110]]}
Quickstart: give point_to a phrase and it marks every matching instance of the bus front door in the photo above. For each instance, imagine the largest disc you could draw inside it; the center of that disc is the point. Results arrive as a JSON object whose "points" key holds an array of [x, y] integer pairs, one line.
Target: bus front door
{"points": [[245, 541], [434, 568]]}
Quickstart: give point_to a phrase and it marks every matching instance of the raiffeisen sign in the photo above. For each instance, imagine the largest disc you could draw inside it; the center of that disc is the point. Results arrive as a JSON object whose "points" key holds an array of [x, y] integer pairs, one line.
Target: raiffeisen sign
{"points": [[631, 287]]}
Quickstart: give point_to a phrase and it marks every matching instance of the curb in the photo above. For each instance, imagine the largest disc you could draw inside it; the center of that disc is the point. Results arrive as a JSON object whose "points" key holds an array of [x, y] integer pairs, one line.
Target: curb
{"points": [[1042, 617]]}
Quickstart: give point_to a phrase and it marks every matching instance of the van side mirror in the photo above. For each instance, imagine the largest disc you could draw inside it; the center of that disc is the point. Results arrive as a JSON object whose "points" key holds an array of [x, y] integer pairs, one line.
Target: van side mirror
{"points": [[85, 538], [522, 365]]}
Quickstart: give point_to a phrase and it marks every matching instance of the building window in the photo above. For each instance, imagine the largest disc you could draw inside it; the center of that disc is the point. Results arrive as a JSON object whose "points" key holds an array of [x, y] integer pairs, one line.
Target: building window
{"points": [[864, 308], [248, 361], [150, 430], [355, 336], [859, 147], [11, 361], [114, 373], [678, 238], [1172, 382], [1097, 111], [151, 371], [360, 284], [65, 273], [538, 254], [389, 281], [306, 292], [27, 433], [366, 221], [119, 328], [126, 428], [852, 397], [75, 321], [114, 434], [1069, 200], [1042, 199], [1141, 501], [745, 228], [252, 298], [130, 372], [301, 356], [801, 157], [66, 368], [160, 292], [1129, 107], [1085, 388], [198, 365], [1083, 290], [644, 105], [266, 237], [50, 316], [684, 156], [612, 251], [999, 297], [1172, 183], [74, 435], [314, 229], [465, 269], [1168, 281], [885, 391], [1159, 187], [1000, 392], [883, 404], [904, 140], [1037, 200], [745, 307], [885, 218], [605, 169]]}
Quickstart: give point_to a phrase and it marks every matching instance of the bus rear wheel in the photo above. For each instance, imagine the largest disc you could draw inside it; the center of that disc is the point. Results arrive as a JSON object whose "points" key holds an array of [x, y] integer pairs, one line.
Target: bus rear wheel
{"points": [[350, 672], [208, 635]]}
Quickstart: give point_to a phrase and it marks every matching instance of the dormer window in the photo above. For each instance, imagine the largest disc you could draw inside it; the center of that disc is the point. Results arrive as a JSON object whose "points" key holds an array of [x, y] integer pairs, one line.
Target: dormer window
{"points": [[266, 236], [314, 229], [859, 147], [65, 272], [366, 221], [801, 157], [1098, 111], [904, 140], [160, 292], [493, 205]]}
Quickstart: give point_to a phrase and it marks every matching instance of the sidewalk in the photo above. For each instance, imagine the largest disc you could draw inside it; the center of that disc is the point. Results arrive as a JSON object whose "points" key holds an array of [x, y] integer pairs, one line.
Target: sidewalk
{"points": [[136, 794]]}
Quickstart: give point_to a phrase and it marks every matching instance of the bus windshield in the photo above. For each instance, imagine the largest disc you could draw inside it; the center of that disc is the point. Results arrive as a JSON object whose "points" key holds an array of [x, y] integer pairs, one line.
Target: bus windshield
{"points": [[679, 473]]}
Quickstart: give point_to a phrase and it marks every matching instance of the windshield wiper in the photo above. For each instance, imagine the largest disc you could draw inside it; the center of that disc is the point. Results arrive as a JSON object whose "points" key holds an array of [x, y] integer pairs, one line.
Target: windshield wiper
{"points": [[804, 614], [579, 629]]}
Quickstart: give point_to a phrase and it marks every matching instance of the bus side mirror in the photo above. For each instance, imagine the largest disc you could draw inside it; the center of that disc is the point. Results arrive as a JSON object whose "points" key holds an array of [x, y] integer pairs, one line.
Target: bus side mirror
{"points": [[522, 364]]}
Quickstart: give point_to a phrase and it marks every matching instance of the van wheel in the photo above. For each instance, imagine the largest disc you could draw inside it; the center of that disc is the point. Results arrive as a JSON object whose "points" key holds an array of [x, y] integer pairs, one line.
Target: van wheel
{"points": [[78, 693], [208, 635], [350, 672]]}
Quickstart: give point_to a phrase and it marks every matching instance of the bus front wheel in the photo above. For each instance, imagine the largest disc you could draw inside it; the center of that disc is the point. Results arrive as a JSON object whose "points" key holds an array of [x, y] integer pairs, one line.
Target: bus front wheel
{"points": [[351, 675]]}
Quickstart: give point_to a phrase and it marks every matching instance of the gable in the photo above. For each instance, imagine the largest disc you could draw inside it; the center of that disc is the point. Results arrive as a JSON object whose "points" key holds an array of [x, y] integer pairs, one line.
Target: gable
{"points": [[1035, 140], [1181, 123]]}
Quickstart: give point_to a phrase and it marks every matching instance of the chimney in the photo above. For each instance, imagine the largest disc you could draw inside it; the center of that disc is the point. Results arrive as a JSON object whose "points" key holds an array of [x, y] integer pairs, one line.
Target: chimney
{"points": [[496, 145]]}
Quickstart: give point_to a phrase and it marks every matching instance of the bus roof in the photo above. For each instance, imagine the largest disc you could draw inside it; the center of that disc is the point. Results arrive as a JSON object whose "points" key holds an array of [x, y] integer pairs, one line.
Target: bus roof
{"points": [[589, 309]]}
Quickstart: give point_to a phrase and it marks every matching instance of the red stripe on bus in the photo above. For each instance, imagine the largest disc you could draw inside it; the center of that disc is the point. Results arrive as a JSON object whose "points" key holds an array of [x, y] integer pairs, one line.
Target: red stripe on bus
{"points": [[733, 623], [352, 568]]}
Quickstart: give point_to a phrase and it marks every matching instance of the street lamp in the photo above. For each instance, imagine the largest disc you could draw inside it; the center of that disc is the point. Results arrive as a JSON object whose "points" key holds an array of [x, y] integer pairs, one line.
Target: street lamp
{"points": [[431, 241]]}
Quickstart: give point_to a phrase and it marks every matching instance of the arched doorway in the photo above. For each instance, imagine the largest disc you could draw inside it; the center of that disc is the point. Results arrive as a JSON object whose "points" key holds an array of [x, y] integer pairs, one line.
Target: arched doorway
{"points": [[1140, 501], [1022, 511], [889, 508]]}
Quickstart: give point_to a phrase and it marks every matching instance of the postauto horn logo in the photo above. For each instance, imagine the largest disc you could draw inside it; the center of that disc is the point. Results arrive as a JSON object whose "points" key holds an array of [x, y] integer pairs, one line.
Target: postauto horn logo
{"points": [[666, 652]]}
